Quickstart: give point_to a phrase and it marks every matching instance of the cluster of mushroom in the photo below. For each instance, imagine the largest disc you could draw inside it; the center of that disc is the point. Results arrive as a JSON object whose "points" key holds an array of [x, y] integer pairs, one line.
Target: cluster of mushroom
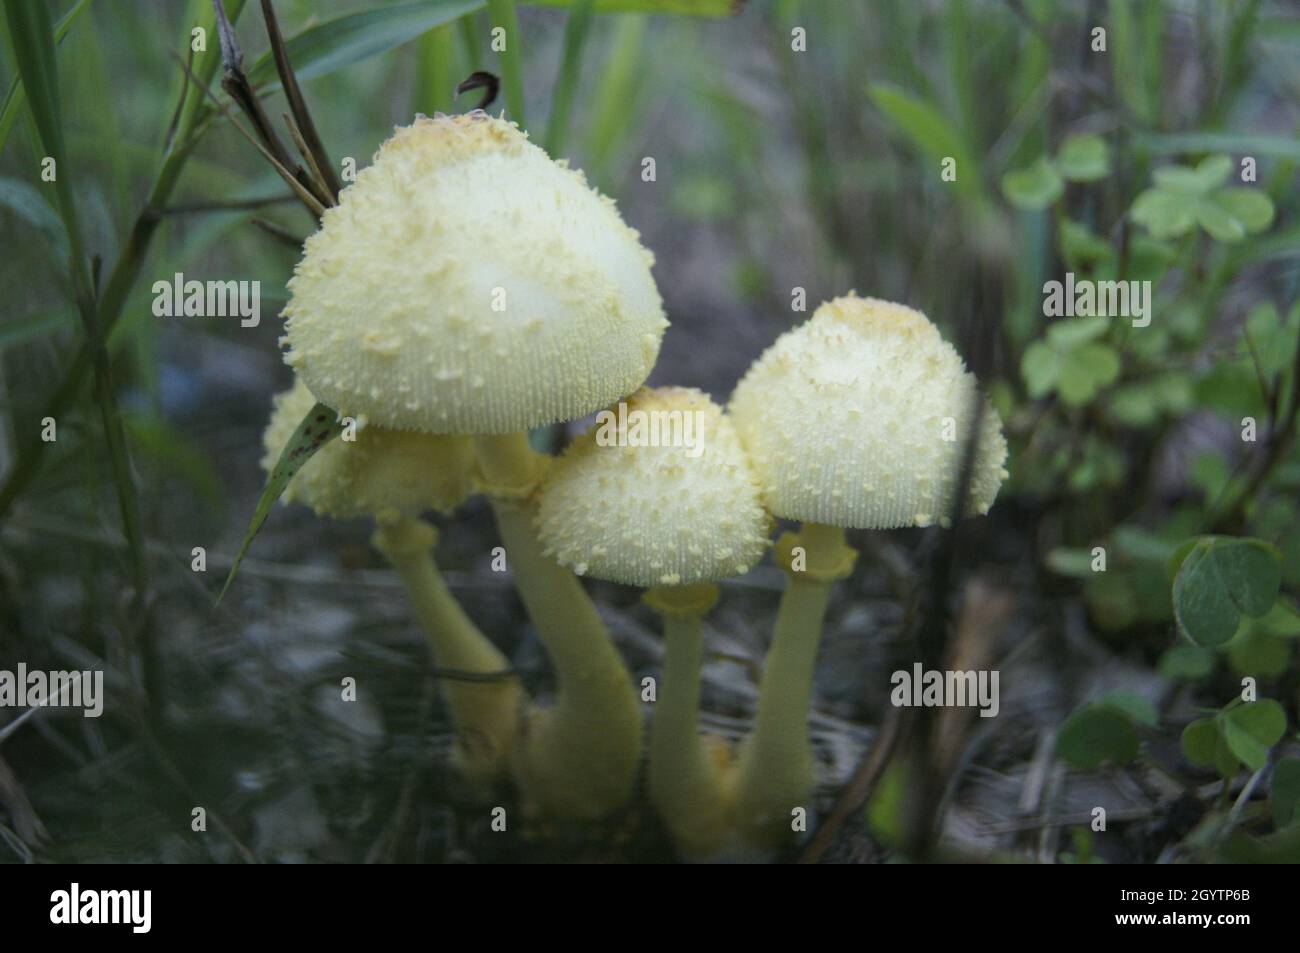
{"points": [[468, 288]]}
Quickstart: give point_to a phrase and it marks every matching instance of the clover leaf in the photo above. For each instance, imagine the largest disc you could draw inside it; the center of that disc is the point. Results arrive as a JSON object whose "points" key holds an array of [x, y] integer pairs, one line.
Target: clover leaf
{"points": [[1070, 361], [1183, 197], [1219, 580], [1080, 159]]}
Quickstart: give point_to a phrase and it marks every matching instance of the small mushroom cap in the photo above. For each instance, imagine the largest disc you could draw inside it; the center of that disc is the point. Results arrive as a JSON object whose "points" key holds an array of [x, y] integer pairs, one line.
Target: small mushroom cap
{"points": [[380, 470], [686, 511], [466, 283], [858, 418]]}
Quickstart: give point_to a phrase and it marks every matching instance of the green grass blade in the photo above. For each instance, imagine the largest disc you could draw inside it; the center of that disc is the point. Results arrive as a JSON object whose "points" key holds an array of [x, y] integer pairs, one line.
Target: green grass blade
{"points": [[15, 331], [692, 8], [501, 13], [33, 40], [435, 76], [15, 97], [566, 84], [615, 103], [929, 131], [1241, 143], [26, 201], [319, 427], [349, 39], [131, 260]]}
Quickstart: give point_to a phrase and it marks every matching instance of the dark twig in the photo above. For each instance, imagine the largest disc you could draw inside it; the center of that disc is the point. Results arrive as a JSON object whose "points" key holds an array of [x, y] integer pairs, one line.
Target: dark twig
{"points": [[236, 85], [315, 178], [857, 791], [312, 148], [186, 208], [305, 194], [481, 79], [279, 233]]}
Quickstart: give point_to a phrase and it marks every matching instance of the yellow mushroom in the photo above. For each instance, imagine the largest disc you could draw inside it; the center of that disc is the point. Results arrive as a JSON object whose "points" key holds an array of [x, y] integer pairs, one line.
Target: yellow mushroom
{"points": [[394, 476], [468, 284], [659, 494], [858, 418]]}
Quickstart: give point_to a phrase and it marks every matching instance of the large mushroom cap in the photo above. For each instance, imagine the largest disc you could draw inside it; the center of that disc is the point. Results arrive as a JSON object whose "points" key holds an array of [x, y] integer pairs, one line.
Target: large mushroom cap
{"points": [[466, 283], [859, 418], [380, 470], [664, 515]]}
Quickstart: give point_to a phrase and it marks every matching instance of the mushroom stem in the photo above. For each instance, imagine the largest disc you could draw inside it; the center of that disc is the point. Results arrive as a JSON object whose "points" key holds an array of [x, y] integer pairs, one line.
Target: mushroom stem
{"points": [[775, 773], [486, 713], [686, 776], [580, 757]]}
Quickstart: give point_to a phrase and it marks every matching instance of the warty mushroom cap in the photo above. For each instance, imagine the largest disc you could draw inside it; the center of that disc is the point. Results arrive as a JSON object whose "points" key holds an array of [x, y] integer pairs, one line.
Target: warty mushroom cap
{"points": [[668, 515], [380, 470], [467, 283], [858, 418]]}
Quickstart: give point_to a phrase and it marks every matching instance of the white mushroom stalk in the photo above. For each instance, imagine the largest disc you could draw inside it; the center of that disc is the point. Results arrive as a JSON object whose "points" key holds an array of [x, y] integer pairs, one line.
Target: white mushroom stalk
{"points": [[468, 284], [856, 419], [660, 495], [394, 476]]}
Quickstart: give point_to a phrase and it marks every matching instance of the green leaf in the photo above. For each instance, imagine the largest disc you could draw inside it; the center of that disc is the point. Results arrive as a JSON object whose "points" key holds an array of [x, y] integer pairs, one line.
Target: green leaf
{"points": [[334, 44], [1179, 180], [1201, 741], [1240, 143], [1255, 652], [1083, 159], [929, 130], [28, 204], [1218, 221], [1133, 705], [1251, 729], [1285, 792], [1095, 734], [14, 331], [16, 96], [1035, 187], [1069, 333], [1040, 367], [1213, 171], [1086, 370], [1220, 580], [1164, 214], [1079, 244], [1075, 563], [1281, 620], [1186, 663], [319, 427], [1251, 207]]}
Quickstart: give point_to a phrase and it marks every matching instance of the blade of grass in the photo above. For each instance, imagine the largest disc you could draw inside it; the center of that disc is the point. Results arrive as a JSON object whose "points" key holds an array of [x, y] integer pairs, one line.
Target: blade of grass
{"points": [[566, 83], [501, 13], [471, 40], [15, 96], [692, 8], [332, 45], [435, 76], [318, 427], [176, 152], [618, 88], [33, 39]]}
